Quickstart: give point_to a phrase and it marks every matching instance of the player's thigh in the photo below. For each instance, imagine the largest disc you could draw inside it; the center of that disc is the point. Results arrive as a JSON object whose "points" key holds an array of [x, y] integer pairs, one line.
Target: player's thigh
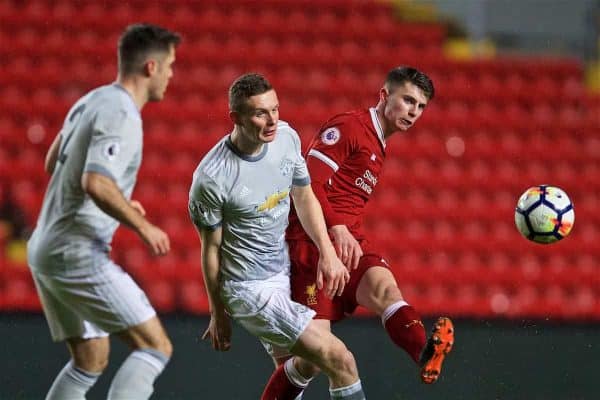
{"points": [[318, 345], [60, 311], [148, 334], [377, 289], [264, 308], [89, 354], [305, 259], [107, 297], [280, 355]]}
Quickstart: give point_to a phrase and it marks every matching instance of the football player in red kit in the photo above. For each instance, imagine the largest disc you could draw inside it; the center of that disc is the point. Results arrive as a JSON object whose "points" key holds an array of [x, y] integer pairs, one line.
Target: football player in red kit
{"points": [[345, 160]]}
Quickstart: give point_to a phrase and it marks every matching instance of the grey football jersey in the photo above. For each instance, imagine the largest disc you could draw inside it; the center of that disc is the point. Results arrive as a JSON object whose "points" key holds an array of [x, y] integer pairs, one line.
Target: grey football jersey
{"points": [[249, 196], [102, 133]]}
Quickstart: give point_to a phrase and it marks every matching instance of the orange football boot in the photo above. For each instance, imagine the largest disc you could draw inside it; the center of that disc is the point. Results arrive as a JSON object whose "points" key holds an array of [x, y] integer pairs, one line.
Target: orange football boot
{"points": [[437, 347]]}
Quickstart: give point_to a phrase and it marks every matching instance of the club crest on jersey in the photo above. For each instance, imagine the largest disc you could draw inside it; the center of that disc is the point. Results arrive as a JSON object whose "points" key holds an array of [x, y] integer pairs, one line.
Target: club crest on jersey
{"points": [[330, 136], [286, 167], [311, 294]]}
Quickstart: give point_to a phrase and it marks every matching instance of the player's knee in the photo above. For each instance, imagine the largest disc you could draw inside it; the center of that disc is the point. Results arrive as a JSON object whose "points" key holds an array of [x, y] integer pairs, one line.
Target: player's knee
{"points": [[391, 293], [165, 346], [160, 343], [102, 364], [95, 364]]}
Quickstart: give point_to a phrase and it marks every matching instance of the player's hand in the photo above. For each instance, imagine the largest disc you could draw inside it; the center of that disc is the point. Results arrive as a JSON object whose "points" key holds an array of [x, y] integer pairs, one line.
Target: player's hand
{"points": [[156, 239], [347, 247], [137, 206], [332, 274], [219, 332]]}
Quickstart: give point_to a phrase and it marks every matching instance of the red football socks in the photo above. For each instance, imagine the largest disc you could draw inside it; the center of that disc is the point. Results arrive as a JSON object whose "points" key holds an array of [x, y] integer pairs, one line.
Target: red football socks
{"points": [[280, 387], [405, 328]]}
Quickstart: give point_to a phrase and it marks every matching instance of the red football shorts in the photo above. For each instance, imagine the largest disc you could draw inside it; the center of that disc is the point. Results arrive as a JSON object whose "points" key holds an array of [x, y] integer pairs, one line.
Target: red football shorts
{"points": [[304, 258]]}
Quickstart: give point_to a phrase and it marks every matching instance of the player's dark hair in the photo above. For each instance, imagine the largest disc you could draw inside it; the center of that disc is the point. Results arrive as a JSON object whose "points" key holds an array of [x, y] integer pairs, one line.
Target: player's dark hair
{"points": [[138, 41], [400, 75], [244, 87]]}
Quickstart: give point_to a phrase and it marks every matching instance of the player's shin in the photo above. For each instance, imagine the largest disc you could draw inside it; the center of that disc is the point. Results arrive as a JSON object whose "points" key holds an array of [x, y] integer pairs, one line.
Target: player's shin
{"points": [[405, 328], [286, 383], [72, 383], [135, 379]]}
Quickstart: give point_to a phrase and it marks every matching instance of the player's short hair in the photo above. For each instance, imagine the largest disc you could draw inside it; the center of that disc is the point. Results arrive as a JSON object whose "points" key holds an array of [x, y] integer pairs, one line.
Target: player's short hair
{"points": [[140, 40], [244, 87], [400, 75]]}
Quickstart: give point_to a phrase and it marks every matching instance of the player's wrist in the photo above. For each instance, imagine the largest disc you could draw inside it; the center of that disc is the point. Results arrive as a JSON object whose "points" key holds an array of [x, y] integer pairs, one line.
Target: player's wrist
{"points": [[218, 312], [326, 249]]}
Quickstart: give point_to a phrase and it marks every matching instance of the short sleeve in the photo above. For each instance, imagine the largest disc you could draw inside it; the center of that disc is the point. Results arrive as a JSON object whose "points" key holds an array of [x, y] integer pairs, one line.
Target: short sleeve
{"points": [[206, 203], [301, 175], [113, 144]]}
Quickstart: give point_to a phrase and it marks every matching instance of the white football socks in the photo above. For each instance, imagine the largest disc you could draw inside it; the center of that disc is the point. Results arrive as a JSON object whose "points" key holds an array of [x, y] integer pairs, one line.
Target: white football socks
{"points": [[72, 383], [352, 392], [135, 379]]}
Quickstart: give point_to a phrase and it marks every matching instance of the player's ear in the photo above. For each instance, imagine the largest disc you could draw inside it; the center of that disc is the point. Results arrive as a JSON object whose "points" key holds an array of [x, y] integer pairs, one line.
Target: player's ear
{"points": [[235, 117], [383, 94], [150, 67]]}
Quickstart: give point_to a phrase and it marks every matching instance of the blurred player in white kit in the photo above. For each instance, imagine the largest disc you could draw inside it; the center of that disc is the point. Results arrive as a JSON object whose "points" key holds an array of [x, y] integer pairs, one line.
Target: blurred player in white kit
{"points": [[93, 164]]}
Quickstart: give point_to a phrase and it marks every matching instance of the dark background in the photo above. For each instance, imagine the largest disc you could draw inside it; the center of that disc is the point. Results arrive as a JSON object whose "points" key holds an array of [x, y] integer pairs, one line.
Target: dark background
{"points": [[492, 359]]}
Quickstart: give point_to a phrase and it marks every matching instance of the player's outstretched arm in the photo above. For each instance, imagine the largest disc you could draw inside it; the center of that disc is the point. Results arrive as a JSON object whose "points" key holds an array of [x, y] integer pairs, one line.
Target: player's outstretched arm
{"points": [[330, 268], [219, 328], [107, 196]]}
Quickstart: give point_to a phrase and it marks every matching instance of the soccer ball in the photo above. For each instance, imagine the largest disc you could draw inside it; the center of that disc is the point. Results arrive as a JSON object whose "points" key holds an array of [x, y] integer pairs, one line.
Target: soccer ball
{"points": [[544, 214]]}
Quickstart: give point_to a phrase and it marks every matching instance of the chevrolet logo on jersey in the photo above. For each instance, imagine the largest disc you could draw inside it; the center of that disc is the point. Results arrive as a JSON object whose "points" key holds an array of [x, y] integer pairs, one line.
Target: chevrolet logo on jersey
{"points": [[273, 200]]}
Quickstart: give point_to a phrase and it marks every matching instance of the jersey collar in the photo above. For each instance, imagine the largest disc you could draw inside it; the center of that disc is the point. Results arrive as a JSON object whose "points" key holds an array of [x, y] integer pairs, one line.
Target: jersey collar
{"points": [[247, 157], [377, 126], [131, 101]]}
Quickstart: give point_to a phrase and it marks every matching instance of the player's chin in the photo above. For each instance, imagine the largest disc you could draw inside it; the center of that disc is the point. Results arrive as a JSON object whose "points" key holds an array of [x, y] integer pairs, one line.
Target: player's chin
{"points": [[268, 136], [156, 96]]}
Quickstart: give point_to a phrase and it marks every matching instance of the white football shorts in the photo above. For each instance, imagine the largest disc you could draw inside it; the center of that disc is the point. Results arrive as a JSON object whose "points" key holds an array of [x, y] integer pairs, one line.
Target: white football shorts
{"points": [[91, 302], [265, 309]]}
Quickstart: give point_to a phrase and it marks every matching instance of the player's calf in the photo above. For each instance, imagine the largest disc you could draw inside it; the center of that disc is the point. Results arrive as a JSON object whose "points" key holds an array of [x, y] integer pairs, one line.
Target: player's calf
{"points": [[151, 352], [322, 348], [403, 325]]}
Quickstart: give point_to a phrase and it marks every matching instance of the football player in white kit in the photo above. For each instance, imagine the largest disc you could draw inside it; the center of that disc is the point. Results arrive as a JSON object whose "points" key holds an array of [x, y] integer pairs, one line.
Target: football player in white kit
{"points": [[239, 202], [93, 164]]}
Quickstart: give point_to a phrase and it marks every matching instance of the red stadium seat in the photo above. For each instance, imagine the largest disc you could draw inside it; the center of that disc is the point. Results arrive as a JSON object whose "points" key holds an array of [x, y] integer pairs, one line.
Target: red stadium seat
{"points": [[444, 219]]}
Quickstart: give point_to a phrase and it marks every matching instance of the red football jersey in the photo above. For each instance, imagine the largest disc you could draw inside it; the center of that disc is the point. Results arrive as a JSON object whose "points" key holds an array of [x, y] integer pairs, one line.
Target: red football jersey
{"points": [[344, 160]]}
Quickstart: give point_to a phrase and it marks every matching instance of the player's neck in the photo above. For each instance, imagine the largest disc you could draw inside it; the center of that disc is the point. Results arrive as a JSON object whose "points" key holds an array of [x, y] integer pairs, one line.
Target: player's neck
{"points": [[387, 129], [137, 91], [243, 145]]}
